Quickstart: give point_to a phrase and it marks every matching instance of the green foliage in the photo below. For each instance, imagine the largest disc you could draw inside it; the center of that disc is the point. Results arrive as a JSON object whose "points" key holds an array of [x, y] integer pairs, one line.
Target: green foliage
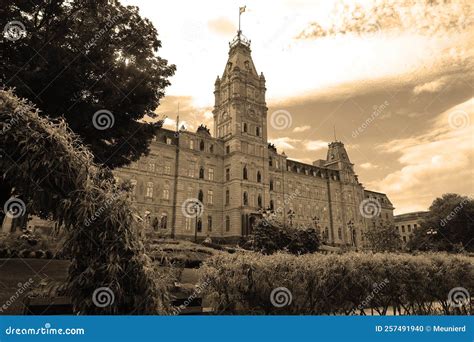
{"points": [[81, 56], [351, 283], [47, 163], [383, 238], [269, 237], [448, 226]]}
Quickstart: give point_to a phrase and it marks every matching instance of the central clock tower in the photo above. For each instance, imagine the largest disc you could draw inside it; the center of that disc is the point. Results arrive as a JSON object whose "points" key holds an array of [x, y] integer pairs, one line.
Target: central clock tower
{"points": [[240, 109]]}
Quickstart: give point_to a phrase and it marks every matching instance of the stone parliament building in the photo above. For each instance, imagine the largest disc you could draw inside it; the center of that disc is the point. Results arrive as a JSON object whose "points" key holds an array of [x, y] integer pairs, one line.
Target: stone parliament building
{"points": [[238, 176]]}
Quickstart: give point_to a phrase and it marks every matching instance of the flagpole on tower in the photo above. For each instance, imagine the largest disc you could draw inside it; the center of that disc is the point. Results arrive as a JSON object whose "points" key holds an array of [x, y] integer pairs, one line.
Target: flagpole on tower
{"points": [[241, 10]]}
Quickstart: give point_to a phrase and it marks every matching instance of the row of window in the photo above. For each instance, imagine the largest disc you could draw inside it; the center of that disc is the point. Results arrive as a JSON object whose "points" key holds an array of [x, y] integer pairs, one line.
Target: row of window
{"points": [[408, 228], [199, 226], [202, 146], [258, 129]]}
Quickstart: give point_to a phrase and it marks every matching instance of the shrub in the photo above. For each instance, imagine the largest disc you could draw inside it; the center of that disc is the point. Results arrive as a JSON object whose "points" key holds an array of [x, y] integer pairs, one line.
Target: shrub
{"points": [[269, 237], [351, 283]]}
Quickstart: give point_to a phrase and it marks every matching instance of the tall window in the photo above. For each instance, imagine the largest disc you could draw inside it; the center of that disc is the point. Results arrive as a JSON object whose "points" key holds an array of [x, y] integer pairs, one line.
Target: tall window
{"points": [[201, 196], [259, 201], [227, 197], [246, 198], [270, 161], [164, 221], [257, 131], [188, 223], [339, 233], [167, 169], [210, 174], [259, 177], [191, 144], [133, 182], [271, 205], [199, 225], [271, 185], [244, 173], [227, 174], [201, 173], [168, 141], [166, 192], [210, 197], [227, 223], [149, 189], [201, 145], [209, 223], [191, 170], [211, 148], [227, 149], [245, 127]]}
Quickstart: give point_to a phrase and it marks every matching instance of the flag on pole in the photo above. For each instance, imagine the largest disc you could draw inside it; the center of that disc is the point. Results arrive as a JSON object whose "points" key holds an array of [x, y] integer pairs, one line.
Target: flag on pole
{"points": [[242, 9]]}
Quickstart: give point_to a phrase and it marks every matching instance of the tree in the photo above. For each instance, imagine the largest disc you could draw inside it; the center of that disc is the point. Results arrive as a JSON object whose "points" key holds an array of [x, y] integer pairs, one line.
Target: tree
{"points": [[109, 271], [448, 226], [383, 238], [74, 59]]}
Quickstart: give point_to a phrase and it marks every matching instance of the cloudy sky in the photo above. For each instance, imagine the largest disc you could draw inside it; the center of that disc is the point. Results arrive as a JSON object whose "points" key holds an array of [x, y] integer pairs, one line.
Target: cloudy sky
{"points": [[394, 77]]}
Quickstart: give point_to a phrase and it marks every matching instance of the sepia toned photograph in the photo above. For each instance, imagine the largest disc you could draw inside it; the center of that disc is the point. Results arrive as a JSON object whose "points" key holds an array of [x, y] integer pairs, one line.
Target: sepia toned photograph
{"points": [[216, 158]]}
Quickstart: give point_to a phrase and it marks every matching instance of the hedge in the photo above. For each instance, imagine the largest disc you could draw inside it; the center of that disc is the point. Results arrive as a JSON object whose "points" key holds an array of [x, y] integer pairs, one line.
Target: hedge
{"points": [[350, 284]]}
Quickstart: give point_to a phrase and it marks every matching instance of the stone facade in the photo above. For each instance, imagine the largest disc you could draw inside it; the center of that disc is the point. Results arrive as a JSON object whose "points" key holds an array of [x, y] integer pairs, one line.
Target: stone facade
{"points": [[407, 223], [238, 176]]}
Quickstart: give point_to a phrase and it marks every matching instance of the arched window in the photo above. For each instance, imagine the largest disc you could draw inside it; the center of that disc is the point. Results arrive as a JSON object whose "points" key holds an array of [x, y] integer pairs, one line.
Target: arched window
{"points": [[259, 201], [227, 223], [271, 205], [201, 196], [201, 172], [271, 185], [244, 173], [245, 128], [246, 198], [201, 145], [270, 161], [227, 197], [259, 177]]}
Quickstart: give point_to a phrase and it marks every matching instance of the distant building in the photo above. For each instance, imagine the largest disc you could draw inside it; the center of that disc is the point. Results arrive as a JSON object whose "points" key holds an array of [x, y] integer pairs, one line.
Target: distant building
{"points": [[407, 223], [238, 176]]}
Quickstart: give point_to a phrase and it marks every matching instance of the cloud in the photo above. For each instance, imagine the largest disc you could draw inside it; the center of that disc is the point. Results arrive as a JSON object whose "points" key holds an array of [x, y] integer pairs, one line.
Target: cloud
{"points": [[430, 87], [314, 145], [368, 166], [432, 163], [222, 26], [300, 129], [284, 143], [421, 17]]}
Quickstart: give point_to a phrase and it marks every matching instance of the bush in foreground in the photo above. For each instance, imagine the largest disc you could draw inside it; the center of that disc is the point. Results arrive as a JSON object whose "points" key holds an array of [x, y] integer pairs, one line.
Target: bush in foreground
{"points": [[352, 283], [269, 237]]}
